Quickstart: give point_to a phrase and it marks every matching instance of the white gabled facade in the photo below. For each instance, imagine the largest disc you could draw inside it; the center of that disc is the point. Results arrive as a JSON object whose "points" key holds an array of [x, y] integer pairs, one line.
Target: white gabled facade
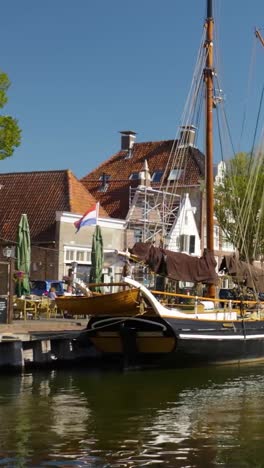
{"points": [[184, 235]]}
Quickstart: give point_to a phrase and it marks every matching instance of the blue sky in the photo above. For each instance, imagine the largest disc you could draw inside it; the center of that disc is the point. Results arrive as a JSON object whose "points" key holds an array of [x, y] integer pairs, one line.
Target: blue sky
{"points": [[83, 70]]}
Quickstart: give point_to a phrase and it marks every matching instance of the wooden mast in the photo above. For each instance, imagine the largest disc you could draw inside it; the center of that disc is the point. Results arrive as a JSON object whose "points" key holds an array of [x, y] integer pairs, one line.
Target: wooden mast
{"points": [[208, 76], [259, 36]]}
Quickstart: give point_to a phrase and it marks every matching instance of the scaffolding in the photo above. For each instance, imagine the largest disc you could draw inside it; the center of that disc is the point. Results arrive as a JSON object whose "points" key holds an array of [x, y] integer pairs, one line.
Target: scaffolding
{"points": [[152, 213]]}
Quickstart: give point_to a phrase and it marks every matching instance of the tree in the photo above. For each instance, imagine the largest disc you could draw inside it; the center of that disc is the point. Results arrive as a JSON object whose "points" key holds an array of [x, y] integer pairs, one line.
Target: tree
{"points": [[239, 204], [10, 133]]}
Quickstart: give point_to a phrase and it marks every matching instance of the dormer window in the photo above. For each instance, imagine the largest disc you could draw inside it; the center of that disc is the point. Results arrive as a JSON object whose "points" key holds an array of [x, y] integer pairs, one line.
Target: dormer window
{"points": [[175, 174], [134, 176], [103, 188], [156, 176], [104, 178]]}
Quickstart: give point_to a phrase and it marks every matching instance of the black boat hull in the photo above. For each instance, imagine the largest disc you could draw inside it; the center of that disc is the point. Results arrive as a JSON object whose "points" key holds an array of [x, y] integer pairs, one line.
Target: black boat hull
{"points": [[179, 342], [219, 342]]}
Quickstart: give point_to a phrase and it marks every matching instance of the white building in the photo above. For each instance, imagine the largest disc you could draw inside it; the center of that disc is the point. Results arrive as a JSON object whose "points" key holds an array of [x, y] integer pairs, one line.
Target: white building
{"points": [[77, 247], [184, 235]]}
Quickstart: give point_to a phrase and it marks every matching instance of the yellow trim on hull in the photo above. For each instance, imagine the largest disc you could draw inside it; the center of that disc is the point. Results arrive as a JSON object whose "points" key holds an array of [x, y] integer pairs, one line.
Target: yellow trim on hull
{"points": [[145, 344]]}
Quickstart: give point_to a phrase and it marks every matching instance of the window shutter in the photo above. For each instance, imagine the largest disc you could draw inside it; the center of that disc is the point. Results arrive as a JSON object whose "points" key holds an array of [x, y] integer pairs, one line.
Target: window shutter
{"points": [[182, 242], [192, 244]]}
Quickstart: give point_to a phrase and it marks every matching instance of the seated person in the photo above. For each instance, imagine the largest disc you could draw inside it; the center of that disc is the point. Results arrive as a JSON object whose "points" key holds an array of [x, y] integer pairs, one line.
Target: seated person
{"points": [[52, 293]]}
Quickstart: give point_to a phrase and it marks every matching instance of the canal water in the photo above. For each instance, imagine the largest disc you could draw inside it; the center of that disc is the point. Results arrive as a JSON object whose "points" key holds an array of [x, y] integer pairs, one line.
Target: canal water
{"points": [[159, 418]]}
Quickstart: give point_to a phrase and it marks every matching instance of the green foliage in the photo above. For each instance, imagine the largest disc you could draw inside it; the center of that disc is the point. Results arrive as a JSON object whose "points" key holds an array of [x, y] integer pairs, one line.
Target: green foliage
{"points": [[4, 85], [10, 133], [10, 136], [239, 205]]}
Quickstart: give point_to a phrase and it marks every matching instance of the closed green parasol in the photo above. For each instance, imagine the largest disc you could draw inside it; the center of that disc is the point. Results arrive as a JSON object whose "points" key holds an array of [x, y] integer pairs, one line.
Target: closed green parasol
{"points": [[23, 254], [97, 258]]}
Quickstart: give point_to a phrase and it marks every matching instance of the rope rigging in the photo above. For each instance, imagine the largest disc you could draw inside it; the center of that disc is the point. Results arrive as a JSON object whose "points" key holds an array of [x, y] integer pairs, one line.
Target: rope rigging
{"points": [[177, 159], [243, 216]]}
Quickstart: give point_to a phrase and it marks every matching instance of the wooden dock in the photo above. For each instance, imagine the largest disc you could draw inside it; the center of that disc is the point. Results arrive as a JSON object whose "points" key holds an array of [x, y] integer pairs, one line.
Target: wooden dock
{"points": [[42, 342], [42, 325]]}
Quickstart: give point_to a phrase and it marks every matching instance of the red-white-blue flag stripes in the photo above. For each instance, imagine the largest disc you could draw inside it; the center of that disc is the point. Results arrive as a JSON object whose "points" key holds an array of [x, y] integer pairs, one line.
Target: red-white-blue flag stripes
{"points": [[89, 218]]}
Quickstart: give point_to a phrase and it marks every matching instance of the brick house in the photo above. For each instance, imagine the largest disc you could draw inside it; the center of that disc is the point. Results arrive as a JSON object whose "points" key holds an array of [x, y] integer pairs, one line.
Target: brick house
{"points": [[115, 181], [48, 197]]}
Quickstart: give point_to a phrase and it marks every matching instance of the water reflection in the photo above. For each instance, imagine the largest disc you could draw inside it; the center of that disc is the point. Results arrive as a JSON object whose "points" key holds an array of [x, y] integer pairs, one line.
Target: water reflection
{"points": [[198, 417]]}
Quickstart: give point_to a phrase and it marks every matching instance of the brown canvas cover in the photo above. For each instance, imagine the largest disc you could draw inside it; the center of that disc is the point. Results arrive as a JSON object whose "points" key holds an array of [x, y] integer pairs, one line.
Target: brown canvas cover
{"points": [[177, 266], [243, 272]]}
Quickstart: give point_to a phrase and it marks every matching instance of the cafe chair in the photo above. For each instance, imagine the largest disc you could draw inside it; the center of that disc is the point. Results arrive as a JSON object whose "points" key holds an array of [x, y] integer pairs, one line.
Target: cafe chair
{"points": [[27, 308], [53, 309], [44, 306]]}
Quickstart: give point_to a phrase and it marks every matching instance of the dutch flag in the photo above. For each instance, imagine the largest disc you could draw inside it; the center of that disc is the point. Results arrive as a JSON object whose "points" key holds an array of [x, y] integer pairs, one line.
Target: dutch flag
{"points": [[89, 218]]}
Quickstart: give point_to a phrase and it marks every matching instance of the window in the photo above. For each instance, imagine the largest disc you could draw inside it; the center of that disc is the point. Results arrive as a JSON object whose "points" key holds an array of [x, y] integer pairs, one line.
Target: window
{"points": [[192, 244], [157, 175], [69, 255], [175, 174], [104, 177], [103, 188], [187, 243], [184, 243], [80, 256], [185, 284], [138, 235], [88, 256], [134, 176], [227, 245]]}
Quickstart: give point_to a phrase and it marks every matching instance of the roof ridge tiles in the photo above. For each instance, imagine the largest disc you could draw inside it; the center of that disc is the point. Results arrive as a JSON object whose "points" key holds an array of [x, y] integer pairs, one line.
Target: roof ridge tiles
{"points": [[34, 172]]}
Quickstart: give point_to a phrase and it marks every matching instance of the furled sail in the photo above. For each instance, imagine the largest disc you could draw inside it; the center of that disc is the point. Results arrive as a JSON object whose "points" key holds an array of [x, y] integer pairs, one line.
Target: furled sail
{"points": [[177, 266], [243, 272]]}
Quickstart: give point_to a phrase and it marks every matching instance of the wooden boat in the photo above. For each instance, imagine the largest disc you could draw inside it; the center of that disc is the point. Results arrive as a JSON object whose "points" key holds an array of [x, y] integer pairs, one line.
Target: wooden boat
{"points": [[158, 334], [154, 333], [101, 304]]}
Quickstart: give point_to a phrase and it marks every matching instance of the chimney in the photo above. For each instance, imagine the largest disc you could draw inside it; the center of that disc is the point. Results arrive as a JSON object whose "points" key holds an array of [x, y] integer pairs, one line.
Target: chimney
{"points": [[127, 140], [187, 136], [145, 177]]}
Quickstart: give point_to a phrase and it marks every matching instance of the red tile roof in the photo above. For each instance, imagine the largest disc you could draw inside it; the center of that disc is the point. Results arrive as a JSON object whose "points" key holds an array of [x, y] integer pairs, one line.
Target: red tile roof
{"points": [[119, 167], [40, 195], [80, 200]]}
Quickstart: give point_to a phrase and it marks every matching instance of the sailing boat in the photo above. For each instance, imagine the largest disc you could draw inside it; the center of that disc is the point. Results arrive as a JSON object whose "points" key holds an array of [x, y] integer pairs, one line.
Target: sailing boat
{"points": [[153, 332]]}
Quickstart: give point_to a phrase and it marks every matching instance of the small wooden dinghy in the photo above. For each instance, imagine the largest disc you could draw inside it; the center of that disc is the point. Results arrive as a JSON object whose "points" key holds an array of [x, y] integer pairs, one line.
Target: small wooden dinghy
{"points": [[115, 304]]}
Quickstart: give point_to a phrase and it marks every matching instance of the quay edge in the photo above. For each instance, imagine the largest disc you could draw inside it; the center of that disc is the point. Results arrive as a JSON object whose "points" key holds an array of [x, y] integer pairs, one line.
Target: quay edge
{"points": [[38, 343]]}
